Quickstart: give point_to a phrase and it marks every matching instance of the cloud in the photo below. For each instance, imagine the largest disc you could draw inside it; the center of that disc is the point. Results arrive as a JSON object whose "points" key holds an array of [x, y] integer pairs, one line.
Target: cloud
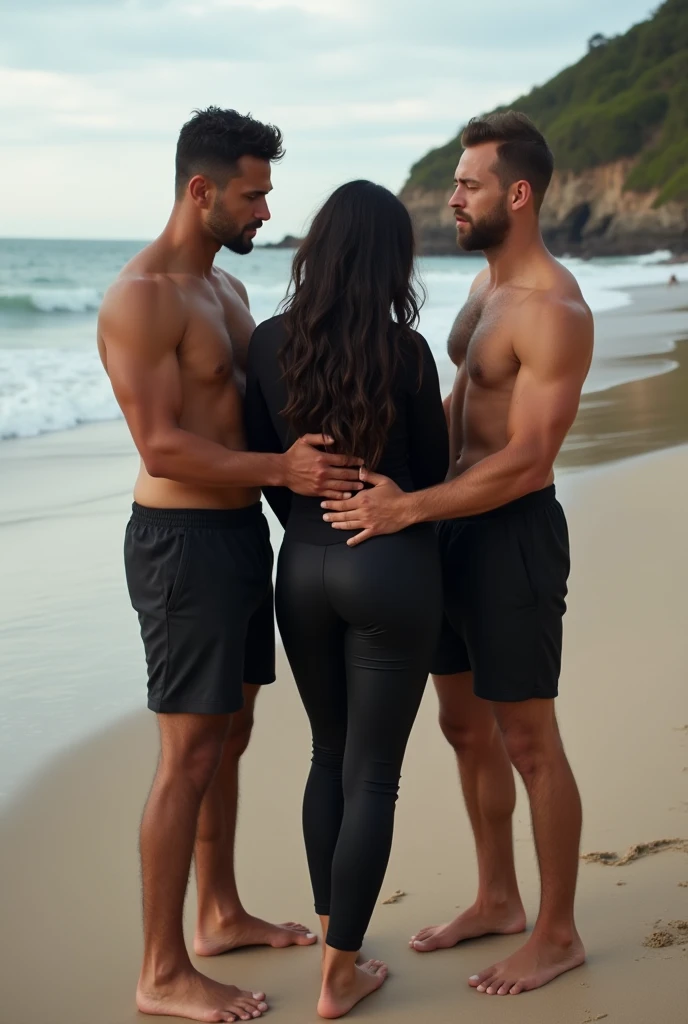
{"points": [[335, 9], [359, 87]]}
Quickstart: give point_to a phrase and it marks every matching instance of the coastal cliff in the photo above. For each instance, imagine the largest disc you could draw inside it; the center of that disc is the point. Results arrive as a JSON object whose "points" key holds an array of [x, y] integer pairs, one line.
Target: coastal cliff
{"points": [[586, 213], [617, 123]]}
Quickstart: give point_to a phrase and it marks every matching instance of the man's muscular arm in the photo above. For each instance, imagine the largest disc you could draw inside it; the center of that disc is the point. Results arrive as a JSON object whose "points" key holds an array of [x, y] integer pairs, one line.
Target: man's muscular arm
{"points": [[142, 323], [553, 343]]}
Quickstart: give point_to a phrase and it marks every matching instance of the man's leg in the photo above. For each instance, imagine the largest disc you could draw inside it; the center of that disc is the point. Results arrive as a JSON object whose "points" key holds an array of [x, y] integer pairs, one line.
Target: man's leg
{"points": [[191, 748], [532, 739], [223, 924], [470, 726]]}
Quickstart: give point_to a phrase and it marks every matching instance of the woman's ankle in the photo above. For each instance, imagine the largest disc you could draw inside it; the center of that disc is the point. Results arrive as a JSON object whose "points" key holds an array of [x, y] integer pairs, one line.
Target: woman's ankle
{"points": [[338, 965]]}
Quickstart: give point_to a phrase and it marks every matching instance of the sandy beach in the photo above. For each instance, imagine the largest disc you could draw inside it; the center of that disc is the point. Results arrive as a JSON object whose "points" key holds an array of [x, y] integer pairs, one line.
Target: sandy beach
{"points": [[77, 748]]}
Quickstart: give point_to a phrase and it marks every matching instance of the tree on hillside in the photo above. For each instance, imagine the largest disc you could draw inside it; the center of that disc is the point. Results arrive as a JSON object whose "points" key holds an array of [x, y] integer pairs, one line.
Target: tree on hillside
{"points": [[594, 42]]}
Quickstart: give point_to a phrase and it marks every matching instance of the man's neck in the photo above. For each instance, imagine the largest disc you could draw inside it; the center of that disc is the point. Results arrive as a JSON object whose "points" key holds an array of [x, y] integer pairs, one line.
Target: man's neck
{"points": [[189, 249], [513, 262]]}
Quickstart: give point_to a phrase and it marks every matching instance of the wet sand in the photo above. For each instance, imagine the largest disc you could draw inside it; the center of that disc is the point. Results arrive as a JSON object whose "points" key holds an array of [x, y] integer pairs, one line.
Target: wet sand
{"points": [[644, 415], [69, 655]]}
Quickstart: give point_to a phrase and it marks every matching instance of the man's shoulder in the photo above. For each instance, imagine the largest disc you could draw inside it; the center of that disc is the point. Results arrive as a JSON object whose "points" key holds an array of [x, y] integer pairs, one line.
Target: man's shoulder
{"points": [[134, 301], [142, 288], [234, 283], [554, 322], [561, 304], [479, 280], [565, 293]]}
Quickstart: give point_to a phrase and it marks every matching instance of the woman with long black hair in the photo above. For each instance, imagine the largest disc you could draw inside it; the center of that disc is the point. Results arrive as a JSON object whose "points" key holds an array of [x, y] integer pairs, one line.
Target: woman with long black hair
{"points": [[359, 624]]}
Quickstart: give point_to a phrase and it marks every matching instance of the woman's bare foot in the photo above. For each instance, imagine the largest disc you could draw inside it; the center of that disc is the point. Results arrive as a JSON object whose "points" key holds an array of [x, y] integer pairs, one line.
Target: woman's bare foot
{"points": [[190, 994], [533, 965], [245, 930], [340, 994], [478, 920]]}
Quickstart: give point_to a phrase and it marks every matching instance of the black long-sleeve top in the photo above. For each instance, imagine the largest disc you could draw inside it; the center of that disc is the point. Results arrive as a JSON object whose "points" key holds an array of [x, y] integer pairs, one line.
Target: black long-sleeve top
{"points": [[415, 456]]}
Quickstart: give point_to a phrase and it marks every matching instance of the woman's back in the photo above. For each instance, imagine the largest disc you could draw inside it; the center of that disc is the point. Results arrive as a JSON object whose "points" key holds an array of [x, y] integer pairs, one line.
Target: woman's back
{"points": [[416, 449], [359, 624]]}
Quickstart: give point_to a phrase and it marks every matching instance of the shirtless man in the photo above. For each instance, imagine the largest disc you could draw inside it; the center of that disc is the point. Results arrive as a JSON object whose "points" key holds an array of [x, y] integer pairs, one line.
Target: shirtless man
{"points": [[173, 335], [522, 346]]}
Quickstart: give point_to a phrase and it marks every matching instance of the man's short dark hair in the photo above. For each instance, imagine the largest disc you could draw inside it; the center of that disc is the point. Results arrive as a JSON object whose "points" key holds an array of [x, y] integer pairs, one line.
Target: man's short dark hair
{"points": [[522, 154], [214, 140]]}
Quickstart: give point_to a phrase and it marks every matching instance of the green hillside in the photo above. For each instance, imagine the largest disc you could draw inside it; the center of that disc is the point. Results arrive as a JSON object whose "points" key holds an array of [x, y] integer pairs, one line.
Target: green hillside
{"points": [[627, 96]]}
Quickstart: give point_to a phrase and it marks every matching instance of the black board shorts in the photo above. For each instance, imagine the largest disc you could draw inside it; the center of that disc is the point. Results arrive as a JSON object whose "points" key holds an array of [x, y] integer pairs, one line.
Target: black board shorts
{"points": [[201, 582], [505, 576]]}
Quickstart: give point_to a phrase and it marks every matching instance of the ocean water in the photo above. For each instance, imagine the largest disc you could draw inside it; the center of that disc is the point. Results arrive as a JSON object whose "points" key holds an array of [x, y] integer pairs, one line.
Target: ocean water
{"points": [[51, 378]]}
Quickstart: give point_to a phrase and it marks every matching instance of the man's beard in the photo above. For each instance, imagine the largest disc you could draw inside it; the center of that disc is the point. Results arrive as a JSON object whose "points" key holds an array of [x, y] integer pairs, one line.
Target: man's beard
{"points": [[226, 231], [487, 233]]}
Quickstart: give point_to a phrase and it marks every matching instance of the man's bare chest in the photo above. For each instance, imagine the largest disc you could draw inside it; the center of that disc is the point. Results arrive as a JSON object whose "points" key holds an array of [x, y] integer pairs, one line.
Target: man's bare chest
{"points": [[481, 342], [213, 350]]}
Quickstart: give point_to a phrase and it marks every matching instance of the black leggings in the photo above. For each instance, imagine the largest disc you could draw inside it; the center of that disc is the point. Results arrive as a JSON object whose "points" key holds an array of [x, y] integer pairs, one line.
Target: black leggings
{"points": [[359, 626]]}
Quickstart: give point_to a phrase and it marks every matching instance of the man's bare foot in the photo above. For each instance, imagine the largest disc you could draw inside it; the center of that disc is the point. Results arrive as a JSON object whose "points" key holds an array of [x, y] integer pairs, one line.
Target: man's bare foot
{"points": [[478, 920], [337, 998], [533, 965], [193, 995], [250, 931]]}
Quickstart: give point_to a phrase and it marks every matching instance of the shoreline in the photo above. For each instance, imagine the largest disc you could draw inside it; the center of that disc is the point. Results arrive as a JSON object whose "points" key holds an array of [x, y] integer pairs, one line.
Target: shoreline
{"points": [[647, 413], [645, 362], [447, 247]]}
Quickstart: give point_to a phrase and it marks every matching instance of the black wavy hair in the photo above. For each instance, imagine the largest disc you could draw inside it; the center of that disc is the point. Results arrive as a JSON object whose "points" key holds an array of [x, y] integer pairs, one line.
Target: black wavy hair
{"points": [[352, 281]]}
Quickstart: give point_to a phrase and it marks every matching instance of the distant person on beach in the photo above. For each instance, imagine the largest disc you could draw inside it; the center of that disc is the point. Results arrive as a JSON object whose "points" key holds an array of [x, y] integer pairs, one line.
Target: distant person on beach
{"points": [[359, 626], [173, 336], [673, 280], [522, 345]]}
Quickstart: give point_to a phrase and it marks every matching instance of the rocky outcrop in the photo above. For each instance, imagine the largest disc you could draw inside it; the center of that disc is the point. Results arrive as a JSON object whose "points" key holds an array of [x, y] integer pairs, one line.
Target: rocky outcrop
{"points": [[591, 213], [288, 242], [585, 214], [433, 220]]}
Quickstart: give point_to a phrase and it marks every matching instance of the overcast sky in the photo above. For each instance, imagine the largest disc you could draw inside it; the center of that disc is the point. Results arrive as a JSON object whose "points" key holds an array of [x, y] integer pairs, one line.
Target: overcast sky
{"points": [[93, 93]]}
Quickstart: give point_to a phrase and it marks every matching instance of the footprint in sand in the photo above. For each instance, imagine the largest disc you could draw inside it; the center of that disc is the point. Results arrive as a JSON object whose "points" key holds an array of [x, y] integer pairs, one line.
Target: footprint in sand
{"points": [[613, 860], [659, 939], [675, 933], [395, 897]]}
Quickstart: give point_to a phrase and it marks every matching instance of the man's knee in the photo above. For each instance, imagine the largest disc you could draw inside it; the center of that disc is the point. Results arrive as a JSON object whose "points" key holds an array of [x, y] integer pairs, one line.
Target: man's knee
{"points": [[241, 725], [196, 761], [239, 735], [531, 745], [470, 736], [467, 723]]}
